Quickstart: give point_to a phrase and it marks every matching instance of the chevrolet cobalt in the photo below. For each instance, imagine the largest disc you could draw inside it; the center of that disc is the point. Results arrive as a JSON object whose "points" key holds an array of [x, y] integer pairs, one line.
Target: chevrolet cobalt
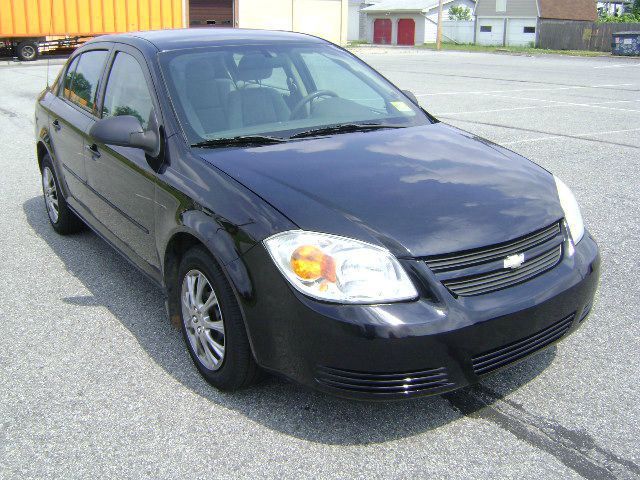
{"points": [[306, 217]]}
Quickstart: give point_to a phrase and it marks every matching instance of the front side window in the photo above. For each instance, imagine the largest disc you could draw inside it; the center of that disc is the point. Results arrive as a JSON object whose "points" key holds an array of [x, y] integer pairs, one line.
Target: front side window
{"points": [[329, 74], [84, 85], [127, 92], [278, 91]]}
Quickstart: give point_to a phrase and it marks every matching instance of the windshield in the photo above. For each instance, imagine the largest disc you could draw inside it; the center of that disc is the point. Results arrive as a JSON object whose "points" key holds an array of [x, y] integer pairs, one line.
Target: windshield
{"points": [[278, 91]]}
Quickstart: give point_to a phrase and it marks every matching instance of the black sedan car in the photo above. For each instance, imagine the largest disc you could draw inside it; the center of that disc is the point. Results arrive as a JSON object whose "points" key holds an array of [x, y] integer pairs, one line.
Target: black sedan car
{"points": [[307, 218]]}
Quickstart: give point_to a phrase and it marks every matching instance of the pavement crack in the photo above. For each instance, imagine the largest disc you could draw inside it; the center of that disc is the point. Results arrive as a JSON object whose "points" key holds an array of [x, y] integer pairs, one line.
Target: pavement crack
{"points": [[576, 449], [8, 113], [3, 438], [549, 135]]}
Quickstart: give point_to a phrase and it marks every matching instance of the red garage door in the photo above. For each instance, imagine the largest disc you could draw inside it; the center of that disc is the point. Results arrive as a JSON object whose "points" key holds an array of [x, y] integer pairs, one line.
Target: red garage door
{"points": [[382, 31], [406, 31]]}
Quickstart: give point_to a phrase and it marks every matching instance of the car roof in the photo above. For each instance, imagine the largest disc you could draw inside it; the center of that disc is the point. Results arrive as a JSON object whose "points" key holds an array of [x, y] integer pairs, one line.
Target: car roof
{"points": [[201, 37]]}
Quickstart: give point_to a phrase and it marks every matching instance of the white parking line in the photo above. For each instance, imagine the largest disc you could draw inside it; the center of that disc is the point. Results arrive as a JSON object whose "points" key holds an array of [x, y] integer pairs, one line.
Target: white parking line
{"points": [[532, 107], [572, 104], [556, 137], [525, 90], [618, 65]]}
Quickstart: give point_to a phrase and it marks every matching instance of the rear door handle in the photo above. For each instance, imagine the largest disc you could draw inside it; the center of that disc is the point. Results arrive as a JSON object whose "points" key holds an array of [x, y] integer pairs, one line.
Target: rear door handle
{"points": [[95, 153], [56, 125]]}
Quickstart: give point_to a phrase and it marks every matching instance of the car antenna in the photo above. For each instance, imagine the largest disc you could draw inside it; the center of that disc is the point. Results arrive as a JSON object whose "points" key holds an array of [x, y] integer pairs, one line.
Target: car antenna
{"points": [[50, 29]]}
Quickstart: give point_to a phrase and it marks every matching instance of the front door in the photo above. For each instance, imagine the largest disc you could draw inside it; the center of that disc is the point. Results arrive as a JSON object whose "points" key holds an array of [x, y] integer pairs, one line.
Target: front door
{"points": [[121, 180], [382, 31], [406, 31]]}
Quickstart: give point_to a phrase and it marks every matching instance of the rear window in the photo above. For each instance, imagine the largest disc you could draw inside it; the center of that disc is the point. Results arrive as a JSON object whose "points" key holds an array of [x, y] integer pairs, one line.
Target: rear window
{"points": [[83, 87]]}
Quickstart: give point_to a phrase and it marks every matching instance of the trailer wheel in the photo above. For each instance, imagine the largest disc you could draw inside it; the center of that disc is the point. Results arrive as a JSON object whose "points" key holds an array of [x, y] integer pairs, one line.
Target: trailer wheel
{"points": [[27, 50]]}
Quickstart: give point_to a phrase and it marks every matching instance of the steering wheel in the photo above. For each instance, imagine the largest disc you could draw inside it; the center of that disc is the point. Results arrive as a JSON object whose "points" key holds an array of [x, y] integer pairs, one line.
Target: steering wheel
{"points": [[310, 98]]}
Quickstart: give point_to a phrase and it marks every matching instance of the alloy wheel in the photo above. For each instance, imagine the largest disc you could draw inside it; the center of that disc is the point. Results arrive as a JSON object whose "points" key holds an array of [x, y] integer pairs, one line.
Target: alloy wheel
{"points": [[50, 194], [203, 320]]}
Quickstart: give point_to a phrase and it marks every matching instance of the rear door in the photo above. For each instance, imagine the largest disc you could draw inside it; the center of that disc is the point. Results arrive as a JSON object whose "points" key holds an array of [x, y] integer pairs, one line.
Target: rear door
{"points": [[71, 112], [121, 180]]}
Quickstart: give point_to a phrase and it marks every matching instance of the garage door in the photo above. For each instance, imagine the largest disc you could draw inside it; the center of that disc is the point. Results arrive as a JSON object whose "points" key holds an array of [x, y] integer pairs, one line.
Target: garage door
{"points": [[490, 31], [406, 31], [382, 31], [211, 13], [521, 31]]}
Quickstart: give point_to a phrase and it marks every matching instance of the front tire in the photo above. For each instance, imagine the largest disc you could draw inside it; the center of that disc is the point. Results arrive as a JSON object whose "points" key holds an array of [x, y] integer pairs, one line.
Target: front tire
{"points": [[62, 219], [212, 324]]}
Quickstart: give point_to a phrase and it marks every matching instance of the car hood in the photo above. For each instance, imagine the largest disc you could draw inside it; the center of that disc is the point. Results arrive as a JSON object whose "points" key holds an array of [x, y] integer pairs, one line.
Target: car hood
{"points": [[418, 191]]}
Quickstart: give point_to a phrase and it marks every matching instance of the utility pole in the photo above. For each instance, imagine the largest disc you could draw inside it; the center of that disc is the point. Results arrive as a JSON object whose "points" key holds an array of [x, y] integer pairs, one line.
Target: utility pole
{"points": [[439, 34]]}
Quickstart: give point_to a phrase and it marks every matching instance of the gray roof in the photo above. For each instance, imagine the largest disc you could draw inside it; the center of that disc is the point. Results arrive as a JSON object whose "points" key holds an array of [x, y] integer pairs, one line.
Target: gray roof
{"points": [[404, 5]]}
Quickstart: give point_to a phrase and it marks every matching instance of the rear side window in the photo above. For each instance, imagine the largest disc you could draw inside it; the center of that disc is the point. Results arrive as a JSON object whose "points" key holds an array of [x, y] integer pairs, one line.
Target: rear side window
{"points": [[84, 84], [486, 28], [127, 92], [68, 78]]}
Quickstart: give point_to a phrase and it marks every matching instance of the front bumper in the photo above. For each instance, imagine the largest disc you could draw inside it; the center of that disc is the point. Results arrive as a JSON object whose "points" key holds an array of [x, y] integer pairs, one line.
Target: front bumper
{"points": [[429, 346]]}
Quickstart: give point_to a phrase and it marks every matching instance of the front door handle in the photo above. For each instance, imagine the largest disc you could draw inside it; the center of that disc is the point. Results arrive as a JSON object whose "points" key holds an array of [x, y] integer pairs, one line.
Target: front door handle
{"points": [[56, 125], [95, 153]]}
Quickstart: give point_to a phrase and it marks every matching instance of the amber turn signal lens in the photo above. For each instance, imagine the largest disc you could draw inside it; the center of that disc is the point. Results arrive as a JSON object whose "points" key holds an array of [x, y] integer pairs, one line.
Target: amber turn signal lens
{"points": [[309, 263]]}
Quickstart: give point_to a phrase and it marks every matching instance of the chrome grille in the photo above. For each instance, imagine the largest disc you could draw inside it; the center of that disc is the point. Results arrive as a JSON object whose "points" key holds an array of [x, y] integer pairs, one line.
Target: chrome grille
{"points": [[482, 271], [384, 384], [494, 359]]}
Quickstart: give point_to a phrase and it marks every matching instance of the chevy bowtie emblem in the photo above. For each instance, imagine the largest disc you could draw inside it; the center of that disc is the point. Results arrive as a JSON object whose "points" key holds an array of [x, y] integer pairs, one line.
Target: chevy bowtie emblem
{"points": [[514, 261]]}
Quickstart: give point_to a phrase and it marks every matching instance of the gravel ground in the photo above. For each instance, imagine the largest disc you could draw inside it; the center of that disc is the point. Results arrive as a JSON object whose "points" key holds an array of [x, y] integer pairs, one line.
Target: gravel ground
{"points": [[96, 383]]}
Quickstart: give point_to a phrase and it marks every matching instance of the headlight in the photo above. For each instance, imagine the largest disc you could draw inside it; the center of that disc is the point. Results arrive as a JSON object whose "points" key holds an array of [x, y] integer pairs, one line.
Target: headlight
{"points": [[338, 269], [571, 210]]}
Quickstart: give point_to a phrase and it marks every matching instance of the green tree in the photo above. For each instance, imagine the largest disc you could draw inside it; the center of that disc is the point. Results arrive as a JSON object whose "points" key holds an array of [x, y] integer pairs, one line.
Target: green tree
{"points": [[460, 12], [127, 110], [632, 15]]}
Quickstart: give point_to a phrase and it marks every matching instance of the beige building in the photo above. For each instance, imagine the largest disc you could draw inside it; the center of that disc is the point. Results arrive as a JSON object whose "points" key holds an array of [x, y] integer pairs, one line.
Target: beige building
{"points": [[323, 18]]}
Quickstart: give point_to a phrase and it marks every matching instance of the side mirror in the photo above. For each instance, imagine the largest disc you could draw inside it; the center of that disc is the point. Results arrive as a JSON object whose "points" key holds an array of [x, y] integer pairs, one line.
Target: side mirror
{"points": [[411, 96], [124, 131]]}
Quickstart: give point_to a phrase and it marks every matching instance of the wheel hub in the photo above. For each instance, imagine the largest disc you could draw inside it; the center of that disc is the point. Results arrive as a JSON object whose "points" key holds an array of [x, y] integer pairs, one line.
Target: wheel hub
{"points": [[202, 318]]}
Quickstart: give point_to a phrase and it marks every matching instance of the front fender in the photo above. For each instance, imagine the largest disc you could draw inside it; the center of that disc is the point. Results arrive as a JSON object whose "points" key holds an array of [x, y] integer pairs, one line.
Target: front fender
{"points": [[218, 240], [200, 227]]}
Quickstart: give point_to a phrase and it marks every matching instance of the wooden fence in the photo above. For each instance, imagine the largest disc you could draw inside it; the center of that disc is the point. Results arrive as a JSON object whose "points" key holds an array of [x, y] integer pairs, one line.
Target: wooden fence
{"points": [[574, 35]]}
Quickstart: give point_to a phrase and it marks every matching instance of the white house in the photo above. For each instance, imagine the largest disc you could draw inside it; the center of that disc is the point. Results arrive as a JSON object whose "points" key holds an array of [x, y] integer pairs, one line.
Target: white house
{"points": [[406, 22], [516, 22], [357, 18], [614, 7]]}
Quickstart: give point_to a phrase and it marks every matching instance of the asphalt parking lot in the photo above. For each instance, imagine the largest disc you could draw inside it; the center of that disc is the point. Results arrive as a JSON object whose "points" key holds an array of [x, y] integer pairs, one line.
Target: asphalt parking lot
{"points": [[94, 382]]}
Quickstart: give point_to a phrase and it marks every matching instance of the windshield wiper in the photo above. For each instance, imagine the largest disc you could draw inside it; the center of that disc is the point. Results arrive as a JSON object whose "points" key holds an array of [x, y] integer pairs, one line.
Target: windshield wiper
{"points": [[241, 141], [344, 128]]}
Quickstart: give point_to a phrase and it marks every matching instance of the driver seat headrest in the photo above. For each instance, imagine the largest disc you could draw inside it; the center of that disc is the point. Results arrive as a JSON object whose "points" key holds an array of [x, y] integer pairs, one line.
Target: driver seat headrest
{"points": [[254, 66]]}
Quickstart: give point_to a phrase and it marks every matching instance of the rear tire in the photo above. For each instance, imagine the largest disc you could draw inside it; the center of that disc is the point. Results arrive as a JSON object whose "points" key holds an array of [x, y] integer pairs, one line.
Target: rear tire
{"points": [[62, 219], [27, 50], [212, 324]]}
